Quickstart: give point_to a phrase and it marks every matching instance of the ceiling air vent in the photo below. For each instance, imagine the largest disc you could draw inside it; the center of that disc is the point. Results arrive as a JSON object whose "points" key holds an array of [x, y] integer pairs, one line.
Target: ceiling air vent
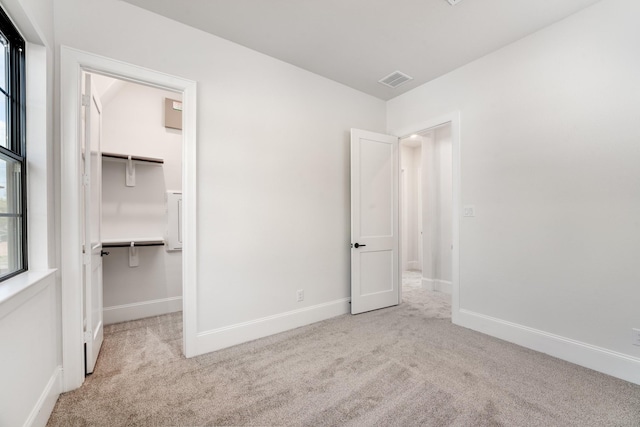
{"points": [[395, 79], [454, 2]]}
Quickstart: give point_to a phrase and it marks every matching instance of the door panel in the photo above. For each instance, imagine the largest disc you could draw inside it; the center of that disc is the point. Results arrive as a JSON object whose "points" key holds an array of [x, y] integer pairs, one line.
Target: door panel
{"points": [[92, 158], [374, 221], [376, 188], [376, 272]]}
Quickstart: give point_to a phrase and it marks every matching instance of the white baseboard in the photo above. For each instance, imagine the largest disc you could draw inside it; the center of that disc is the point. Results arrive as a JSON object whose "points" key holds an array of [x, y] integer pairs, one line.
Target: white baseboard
{"points": [[599, 359], [228, 336], [437, 285], [427, 284], [140, 310], [44, 406], [444, 286]]}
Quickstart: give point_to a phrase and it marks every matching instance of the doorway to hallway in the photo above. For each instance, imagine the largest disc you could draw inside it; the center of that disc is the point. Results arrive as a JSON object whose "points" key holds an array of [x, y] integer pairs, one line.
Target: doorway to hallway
{"points": [[426, 197]]}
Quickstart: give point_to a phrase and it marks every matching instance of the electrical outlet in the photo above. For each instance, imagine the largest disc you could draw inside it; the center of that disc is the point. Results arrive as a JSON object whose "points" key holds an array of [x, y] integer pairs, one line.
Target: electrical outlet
{"points": [[469, 211], [300, 295], [635, 337]]}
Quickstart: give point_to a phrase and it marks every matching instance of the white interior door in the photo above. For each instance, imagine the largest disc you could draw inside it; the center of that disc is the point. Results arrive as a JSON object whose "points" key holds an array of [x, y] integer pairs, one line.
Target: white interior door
{"points": [[92, 158], [375, 239]]}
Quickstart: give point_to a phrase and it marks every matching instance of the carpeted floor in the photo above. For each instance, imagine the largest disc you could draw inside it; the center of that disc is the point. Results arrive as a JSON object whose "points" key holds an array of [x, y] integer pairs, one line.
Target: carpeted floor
{"points": [[401, 366]]}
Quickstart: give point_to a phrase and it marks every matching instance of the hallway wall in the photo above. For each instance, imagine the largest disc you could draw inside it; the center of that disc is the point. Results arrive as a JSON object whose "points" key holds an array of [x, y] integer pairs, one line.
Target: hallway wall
{"points": [[437, 209], [411, 187]]}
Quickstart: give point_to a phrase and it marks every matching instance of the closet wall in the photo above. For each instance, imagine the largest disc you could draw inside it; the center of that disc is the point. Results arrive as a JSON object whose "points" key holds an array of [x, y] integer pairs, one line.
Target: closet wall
{"points": [[133, 124]]}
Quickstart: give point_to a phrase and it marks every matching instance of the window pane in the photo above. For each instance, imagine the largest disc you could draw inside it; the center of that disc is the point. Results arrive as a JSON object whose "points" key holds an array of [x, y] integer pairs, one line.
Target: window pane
{"points": [[13, 251], [10, 245], [10, 180], [4, 52], [4, 120], [11, 221]]}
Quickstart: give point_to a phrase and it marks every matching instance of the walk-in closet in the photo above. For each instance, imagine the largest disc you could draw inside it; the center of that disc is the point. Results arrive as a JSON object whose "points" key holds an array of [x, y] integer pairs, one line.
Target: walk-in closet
{"points": [[140, 201]]}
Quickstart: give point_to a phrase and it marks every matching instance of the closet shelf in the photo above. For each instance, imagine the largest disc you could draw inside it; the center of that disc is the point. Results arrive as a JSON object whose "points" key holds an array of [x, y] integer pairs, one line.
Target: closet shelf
{"points": [[118, 156], [130, 164], [127, 243]]}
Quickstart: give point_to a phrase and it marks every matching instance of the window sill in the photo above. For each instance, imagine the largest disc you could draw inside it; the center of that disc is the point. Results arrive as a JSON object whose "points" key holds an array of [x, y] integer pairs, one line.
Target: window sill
{"points": [[17, 290]]}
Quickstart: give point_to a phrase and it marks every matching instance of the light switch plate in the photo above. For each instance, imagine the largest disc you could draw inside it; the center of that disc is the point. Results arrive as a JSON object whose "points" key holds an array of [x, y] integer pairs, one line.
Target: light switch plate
{"points": [[635, 337], [469, 211]]}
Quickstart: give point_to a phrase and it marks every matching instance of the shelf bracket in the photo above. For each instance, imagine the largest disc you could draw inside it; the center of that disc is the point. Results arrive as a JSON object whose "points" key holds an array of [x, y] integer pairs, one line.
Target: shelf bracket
{"points": [[134, 260], [130, 173]]}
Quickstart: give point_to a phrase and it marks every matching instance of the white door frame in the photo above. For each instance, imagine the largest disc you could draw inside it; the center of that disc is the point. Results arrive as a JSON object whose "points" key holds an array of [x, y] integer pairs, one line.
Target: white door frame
{"points": [[73, 62], [454, 120]]}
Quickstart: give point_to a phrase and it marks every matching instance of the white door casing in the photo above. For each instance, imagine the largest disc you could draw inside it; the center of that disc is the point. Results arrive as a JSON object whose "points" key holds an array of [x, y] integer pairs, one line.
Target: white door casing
{"points": [[72, 63], [92, 160], [375, 273]]}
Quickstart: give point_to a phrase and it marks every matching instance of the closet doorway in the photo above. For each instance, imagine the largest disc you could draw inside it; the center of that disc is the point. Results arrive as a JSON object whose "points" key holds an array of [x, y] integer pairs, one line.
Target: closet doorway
{"points": [[73, 179], [141, 197], [136, 191]]}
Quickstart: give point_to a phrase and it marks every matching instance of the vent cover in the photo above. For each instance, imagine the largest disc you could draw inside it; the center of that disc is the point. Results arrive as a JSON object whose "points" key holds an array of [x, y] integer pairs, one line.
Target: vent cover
{"points": [[454, 2], [395, 79]]}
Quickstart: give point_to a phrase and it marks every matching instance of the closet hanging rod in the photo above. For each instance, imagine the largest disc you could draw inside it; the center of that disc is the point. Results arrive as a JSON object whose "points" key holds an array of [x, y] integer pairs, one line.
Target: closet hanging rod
{"points": [[134, 158], [124, 244]]}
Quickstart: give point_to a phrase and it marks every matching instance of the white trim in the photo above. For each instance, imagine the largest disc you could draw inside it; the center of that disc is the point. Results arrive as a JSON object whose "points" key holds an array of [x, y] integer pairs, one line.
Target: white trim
{"points": [[444, 286], [21, 288], [228, 336], [140, 310], [454, 120], [437, 285], [597, 358], [427, 283], [44, 406], [72, 63], [39, 160]]}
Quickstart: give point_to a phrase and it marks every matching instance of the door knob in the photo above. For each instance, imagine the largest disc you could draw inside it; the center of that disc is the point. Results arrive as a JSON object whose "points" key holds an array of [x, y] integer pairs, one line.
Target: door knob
{"points": [[103, 253], [357, 245]]}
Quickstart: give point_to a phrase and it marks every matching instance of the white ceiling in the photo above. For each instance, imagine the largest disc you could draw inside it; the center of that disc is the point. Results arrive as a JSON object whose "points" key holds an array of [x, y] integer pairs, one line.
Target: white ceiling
{"points": [[357, 42]]}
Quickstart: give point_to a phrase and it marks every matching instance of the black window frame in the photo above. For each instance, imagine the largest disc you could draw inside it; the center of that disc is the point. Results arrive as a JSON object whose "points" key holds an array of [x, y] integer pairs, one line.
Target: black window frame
{"points": [[16, 111]]}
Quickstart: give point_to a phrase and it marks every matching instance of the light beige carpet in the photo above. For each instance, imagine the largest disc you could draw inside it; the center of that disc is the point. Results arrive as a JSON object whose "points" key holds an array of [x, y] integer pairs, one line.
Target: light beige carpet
{"points": [[401, 366]]}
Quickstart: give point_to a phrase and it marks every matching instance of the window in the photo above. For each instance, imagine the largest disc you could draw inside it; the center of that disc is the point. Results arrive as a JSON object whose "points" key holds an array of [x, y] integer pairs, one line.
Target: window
{"points": [[13, 200]]}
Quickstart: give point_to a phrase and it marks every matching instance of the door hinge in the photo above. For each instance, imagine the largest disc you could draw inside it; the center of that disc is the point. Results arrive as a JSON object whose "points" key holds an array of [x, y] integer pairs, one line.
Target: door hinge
{"points": [[86, 259], [87, 336], [85, 180], [85, 100]]}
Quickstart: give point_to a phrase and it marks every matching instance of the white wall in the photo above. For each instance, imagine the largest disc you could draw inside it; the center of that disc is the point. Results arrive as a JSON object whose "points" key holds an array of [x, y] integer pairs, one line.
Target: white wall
{"points": [[30, 353], [437, 209], [133, 124], [273, 160], [410, 163], [29, 365], [549, 146]]}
